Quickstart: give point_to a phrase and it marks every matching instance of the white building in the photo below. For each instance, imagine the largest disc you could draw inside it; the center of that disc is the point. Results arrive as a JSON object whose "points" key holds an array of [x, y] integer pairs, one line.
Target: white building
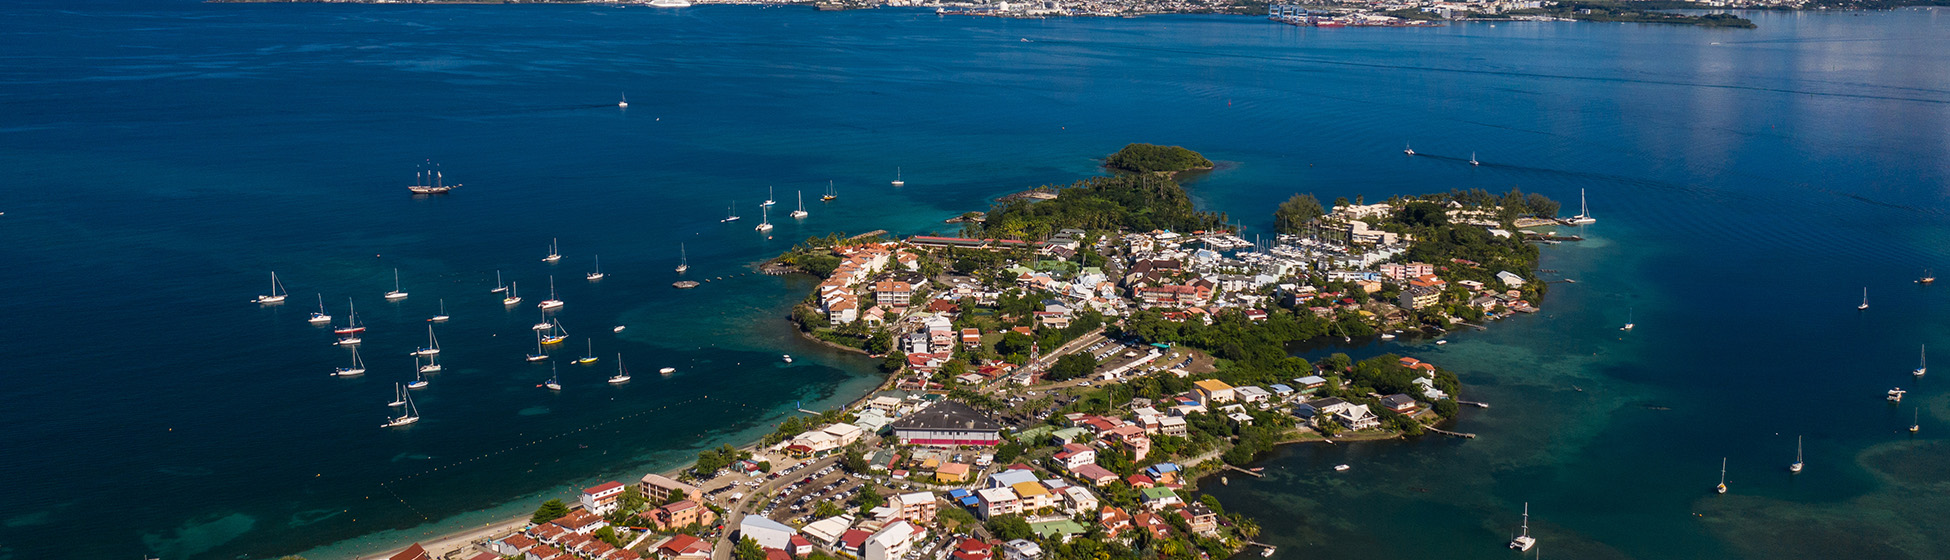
{"points": [[893, 541]]}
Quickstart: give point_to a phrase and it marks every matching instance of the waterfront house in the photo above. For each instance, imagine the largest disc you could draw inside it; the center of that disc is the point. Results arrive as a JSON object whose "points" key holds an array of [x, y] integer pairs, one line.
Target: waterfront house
{"points": [[1357, 417], [1419, 297], [415, 552], [1510, 279], [1199, 517], [658, 488], [1399, 403], [602, 498], [514, 545]]}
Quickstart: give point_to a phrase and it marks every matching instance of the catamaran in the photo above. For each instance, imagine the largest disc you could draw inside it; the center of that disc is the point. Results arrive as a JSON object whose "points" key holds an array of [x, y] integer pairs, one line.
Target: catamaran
{"points": [[1795, 467], [358, 366], [277, 292], [554, 379], [1722, 488], [622, 375], [598, 274], [624, 103], [1923, 361], [430, 181], [352, 326], [498, 286], [1865, 300], [897, 178], [1584, 212], [765, 219], [396, 293], [1896, 395], [554, 254], [432, 347], [442, 317], [830, 192], [539, 355], [730, 213], [432, 365], [321, 317], [556, 334], [551, 302], [419, 381], [1524, 541], [399, 395], [590, 357], [801, 212], [1407, 149], [409, 416], [512, 297], [683, 259], [768, 197]]}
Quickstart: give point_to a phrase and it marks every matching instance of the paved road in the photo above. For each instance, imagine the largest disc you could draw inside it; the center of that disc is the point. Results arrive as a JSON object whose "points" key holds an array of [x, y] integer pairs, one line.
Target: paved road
{"points": [[736, 513]]}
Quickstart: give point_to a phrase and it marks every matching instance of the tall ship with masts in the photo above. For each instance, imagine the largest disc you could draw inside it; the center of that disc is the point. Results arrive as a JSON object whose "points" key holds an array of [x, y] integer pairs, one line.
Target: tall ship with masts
{"points": [[431, 181]]}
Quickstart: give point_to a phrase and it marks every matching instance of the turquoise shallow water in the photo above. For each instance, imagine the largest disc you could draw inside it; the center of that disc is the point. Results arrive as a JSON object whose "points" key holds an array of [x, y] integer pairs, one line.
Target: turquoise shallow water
{"points": [[161, 157]]}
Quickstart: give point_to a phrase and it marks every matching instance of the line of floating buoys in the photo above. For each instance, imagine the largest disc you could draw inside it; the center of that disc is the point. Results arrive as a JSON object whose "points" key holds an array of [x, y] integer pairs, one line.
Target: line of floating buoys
{"points": [[556, 436]]}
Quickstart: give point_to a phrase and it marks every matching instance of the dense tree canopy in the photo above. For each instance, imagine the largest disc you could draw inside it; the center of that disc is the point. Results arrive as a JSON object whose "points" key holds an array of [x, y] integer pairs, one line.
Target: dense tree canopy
{"points": [[1146, 158], [1123, 203], [1292, 216]]}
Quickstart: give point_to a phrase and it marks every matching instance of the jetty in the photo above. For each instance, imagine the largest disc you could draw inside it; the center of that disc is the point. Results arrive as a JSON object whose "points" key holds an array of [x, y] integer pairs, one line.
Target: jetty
{"points": [[1235, 468], [1449, 433], [1474, 404]]}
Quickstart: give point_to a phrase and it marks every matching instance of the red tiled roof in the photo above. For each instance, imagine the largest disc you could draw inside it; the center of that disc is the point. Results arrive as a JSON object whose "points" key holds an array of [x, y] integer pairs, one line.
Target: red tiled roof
{"points": [[604, 487], [414, 552]]}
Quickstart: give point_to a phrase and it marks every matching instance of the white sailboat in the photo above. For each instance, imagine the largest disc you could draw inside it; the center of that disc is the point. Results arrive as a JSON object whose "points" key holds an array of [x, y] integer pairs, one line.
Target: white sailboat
{"points": [[1865, 300], [590, 357], [624, 103], [556, 334], [768, 197], [442, 317], [432, 365], [419, 380], [554, 254], [498, 286], [1472, 159], [554, 379], [683, 259], [349, 340], [358, 366], [897, 178], [1916, 420], [598, 274], [399, 395], [730, 213], [409, 416], [622, 375], [1628, 321], [667, 371], [1927, 278], [551, 302], [1722, 488], [801, 212], [539, 355], [831, 193], [1923, 361], [1584, 212], [765, 219], [1407, 149], [396, 294], [321, 317], [432, 347], [277, 292], [1524, 541], [1795, 467], [512, 298], [546, 324]]}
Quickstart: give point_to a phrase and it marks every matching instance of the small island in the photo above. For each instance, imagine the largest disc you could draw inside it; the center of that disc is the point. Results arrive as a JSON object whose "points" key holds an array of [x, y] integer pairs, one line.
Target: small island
{"points": [[1152, 158]]}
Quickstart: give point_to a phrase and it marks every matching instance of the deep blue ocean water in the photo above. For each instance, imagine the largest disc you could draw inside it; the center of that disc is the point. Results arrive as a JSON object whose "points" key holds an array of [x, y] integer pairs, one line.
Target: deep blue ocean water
{"points": [[161, 158]]}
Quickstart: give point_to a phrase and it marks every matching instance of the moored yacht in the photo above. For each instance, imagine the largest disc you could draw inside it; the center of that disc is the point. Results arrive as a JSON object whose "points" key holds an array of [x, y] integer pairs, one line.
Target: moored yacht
{"points": [[1795, 467], [555, 334], [396, 294], [554, 382], [765, 220], [399, 395], [768, 197], [831, 193], [1524, 541], [1865, 300], [1722, 488], [409, 416], [1584, 212], [730, 213], [554, 254], [539, 355], [432, 365], [442, 317], [897, 178], [1928, 277], [432, 347], [622, 375], [683, 259], [598, 274], [277, 292], [419, 381], [551, 302], [590, 357], [430, 181], [498, 286], [801, 212], [320, 317], [624, 103], [358, 366], [512, 298], [1922, 361]]}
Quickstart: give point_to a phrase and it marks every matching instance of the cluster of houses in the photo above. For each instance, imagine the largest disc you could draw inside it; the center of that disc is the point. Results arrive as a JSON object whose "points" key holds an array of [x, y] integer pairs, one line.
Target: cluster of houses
{"points": [[568, 537], [571, 536], [838, 294], [889, 534]]}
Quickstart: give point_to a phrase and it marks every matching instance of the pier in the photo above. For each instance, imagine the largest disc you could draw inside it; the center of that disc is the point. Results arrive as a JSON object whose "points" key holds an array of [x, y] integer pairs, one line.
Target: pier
{"points": [[1474, 403], [1449, 433], [1230, 467]]}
